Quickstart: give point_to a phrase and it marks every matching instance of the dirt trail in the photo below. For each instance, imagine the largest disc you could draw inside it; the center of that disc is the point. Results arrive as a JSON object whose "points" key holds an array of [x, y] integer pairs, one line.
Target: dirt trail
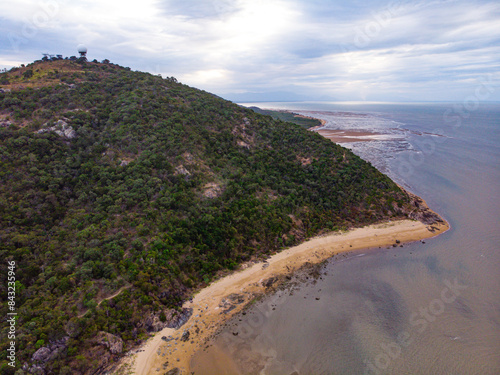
{"points": [[107, 298]]}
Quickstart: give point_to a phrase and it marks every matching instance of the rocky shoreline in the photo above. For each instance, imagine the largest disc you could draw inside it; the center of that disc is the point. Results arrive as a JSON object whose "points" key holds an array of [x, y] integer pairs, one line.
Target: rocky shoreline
{"points": [[173, 347]]}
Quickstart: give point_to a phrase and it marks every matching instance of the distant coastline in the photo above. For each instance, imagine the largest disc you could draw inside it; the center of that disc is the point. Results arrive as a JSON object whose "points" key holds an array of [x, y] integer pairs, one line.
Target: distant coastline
{"points": [[317, 125]]}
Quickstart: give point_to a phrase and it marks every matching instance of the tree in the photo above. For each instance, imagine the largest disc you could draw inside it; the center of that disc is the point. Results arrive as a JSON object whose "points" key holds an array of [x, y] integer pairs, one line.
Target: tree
{"points": [[28, 74]]}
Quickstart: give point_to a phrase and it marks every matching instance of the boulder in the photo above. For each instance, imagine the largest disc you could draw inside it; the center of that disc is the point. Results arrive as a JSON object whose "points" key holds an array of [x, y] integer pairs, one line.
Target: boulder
{"points": [[269, 282], [110, 341], [42, 355], [50, 352], [174, 319], [46, 354], [185, 336]]}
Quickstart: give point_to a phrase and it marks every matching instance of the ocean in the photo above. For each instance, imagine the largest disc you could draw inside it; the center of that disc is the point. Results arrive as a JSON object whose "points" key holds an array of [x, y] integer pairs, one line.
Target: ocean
{"points": [[425, 308]]}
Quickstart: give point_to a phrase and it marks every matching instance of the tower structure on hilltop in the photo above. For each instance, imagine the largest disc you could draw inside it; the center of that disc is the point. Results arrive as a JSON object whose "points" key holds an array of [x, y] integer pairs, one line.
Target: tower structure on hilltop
{"points": [[82, 50]]}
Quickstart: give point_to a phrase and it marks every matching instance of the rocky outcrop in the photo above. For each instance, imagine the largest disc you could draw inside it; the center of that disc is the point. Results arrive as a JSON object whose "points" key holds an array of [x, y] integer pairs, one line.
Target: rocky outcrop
{"points": [[420, 211], [46, 354], [180, 169], [228, 304], [176, 319], [269, 282], [185, 336], [173, 319], [110, 341], [212, 190], [61, 128], [153, 323]]}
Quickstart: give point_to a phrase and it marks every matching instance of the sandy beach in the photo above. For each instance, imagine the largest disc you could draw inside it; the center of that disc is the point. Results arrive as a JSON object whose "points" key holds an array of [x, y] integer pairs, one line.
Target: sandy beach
{"points": [[210, 305]]}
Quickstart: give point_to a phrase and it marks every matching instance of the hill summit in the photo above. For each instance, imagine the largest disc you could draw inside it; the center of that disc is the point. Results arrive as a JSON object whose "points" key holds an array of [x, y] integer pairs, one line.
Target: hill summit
{"points": [[123, 192]]}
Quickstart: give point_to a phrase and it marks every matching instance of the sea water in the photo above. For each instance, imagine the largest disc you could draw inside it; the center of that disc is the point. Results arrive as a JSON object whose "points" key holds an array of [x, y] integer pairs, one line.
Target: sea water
{"points": [[425, 308]]}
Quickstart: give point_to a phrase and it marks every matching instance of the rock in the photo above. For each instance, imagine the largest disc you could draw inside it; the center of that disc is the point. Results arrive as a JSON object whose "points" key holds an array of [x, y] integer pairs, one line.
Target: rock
{"points": [[46, 354], [112, 342], [49, 352], [178, 319], [36, 370], [182, 170], [229, 309], [61, 128], [185, 336], [398, 241], [212, 190], [41, 355], [236, 298], [154, 324], [269, 282], [173, 319], [174, 371], [421, 211]]}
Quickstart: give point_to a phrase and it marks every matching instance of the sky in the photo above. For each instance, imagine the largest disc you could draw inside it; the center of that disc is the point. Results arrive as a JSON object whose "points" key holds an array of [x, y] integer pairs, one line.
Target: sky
{"points": [[276, 50]]}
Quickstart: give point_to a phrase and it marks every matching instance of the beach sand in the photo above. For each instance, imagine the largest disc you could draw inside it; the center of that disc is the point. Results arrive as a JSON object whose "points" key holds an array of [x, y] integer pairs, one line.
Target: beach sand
{"points": [[249, 282]]}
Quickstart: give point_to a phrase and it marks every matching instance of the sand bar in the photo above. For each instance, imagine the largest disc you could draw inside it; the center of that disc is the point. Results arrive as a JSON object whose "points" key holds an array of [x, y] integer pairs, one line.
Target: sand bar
{"points": [[208, 315], [345, 136]]}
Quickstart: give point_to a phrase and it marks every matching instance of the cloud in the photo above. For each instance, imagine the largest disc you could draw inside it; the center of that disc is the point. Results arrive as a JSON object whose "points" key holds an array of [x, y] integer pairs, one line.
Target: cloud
{"points": [[353, 50], [194, 9]]}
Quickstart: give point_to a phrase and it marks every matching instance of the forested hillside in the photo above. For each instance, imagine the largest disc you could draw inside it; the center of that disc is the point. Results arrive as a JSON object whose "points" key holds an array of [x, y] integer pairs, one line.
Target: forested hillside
{"points": [[119, 181]]}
